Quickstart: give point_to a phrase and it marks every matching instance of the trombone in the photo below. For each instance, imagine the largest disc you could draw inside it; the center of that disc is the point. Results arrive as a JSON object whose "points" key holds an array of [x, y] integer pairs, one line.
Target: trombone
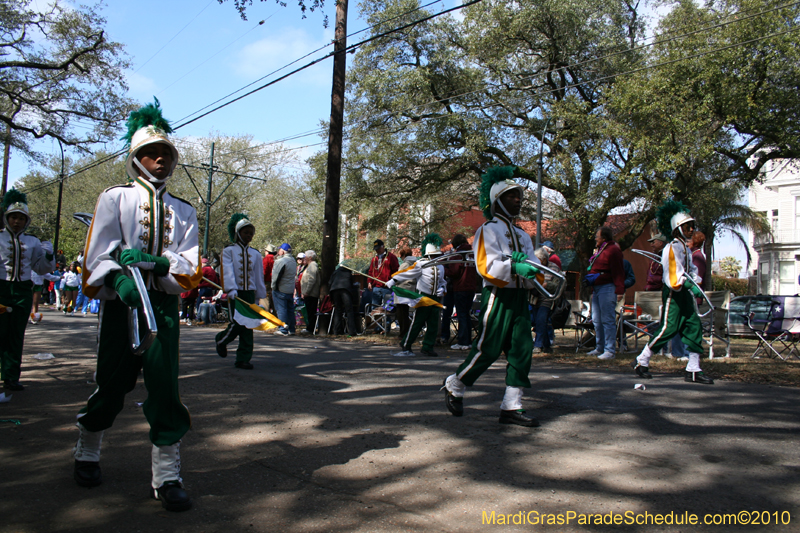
{"points": [[449, 259], [142, 329]]}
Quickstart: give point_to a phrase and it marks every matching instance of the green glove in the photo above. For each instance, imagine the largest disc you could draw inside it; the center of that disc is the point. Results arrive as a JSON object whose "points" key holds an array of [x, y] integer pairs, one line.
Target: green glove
{"points": [[160, 265], [125, 287], [518, 257], [526, 270], [692, 287]]}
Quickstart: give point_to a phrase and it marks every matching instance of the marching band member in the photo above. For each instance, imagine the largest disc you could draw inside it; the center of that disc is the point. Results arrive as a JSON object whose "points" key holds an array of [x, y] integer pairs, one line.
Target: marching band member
{"points": [[141, 225], [20, 255], [430, 283], [503, 256], [679, 310], [241, 276]]}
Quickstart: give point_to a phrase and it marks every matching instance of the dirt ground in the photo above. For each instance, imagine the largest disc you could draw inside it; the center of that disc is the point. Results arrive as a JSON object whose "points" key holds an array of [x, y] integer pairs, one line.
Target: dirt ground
{"points": [[333, 435]]}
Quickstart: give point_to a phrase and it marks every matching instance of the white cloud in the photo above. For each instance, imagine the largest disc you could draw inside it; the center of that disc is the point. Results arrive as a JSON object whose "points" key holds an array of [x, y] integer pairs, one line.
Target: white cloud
{"points": [[141, 87], [266, 55]]}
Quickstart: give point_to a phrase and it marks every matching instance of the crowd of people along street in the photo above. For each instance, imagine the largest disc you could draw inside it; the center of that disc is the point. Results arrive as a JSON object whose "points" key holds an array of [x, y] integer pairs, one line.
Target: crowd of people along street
{"points": [[503, 291]]}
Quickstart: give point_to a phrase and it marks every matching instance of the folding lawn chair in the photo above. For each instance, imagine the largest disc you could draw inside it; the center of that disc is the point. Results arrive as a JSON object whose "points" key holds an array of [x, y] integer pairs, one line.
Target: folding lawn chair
{"points": [[643, 321], [775, 337]]}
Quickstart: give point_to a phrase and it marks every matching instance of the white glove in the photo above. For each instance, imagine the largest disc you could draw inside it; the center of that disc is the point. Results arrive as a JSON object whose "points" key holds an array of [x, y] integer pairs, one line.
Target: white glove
{"points": [[47, 246], [389, 284], [440, 293], [144, 265], [232, 294]]}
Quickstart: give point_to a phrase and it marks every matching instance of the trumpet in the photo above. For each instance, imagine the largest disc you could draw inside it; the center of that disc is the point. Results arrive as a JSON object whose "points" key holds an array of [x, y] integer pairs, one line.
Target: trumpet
{"points": [[142, 329]]}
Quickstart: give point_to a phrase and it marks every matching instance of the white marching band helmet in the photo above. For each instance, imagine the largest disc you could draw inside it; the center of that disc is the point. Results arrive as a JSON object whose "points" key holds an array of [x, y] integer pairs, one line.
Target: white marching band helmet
{"points": [[432, 249], [143, 137], [679, 219], [501, 187]]}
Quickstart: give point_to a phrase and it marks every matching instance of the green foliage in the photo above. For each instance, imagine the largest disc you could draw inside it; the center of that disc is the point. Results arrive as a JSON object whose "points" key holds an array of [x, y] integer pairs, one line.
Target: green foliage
{"points": [[730, 266], [664, 215], [737, 286], [58, 67]]}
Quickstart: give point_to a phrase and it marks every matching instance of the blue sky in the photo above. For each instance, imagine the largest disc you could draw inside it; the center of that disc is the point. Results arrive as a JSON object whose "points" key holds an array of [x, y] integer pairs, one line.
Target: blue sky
{"points": [[190, 53]]}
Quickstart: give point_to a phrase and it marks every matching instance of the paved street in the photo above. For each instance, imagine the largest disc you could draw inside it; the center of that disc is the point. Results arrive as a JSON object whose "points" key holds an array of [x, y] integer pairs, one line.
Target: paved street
{"points": [[335, 436]]}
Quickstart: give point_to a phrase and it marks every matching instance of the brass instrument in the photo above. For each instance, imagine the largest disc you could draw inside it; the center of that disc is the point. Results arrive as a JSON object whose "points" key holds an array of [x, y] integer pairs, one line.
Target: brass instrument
{"points": [[142, 329]]}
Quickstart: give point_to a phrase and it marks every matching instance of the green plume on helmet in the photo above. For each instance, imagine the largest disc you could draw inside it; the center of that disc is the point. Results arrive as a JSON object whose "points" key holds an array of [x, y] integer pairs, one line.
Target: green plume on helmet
{"points": [[235, 218], [490, 177], [147, 115], [13, 196], [430, 238], [665, 213]]}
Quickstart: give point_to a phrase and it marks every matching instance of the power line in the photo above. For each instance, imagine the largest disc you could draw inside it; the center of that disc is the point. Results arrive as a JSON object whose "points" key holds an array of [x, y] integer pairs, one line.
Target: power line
{"points": [[173, 37]]}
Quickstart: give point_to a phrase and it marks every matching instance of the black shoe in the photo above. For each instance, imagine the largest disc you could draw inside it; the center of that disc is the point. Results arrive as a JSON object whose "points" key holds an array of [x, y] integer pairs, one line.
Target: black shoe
{"points": [[222, 350], [242, 364], [518, 417], [641, 371], [430, 353], [13, 385], [172, 496], [698, 377], [454, 405], [87, 473]]}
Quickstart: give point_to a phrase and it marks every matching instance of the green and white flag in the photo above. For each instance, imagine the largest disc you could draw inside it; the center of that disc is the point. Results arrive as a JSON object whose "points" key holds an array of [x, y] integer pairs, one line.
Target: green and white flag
{"points": [[412, 299], [253, 316]]}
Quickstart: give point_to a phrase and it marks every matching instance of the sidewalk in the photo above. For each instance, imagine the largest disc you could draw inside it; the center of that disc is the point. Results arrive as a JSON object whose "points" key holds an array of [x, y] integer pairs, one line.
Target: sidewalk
{"points": [[334, 436]]}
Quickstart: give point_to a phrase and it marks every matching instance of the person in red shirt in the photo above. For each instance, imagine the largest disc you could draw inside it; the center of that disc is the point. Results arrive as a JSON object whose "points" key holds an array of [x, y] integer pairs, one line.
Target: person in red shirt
{"points": [[268, 262], [382, 266], [465, 279], [607, 279]]}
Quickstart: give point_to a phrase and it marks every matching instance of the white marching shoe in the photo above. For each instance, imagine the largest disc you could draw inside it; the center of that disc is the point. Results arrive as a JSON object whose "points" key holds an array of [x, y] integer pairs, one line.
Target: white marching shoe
{"points": [[87, 457], [167, 485]]}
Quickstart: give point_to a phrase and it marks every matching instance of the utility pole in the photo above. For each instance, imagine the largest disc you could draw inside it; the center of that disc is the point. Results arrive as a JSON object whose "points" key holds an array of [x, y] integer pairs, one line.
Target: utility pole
{"points": [[330, 225], [60, 193], [208, 199], [6, 157]]}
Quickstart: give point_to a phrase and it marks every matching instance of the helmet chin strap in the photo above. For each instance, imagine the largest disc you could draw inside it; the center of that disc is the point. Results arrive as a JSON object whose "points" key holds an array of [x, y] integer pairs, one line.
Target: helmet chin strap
{"points": [[503, 208], [146, 173]]}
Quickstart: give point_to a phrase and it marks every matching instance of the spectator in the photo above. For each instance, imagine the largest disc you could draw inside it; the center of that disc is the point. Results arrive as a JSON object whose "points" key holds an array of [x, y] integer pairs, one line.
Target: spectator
{"points": [[401, 310], [72, 280], [283, 276], [206, 289], [341, 286], [188, 305], [268, 262], [207, 310], [607, 278], [655, 272], [630, 276], [542, 306], [553, 258], [310, 286], [382, 266], [465, 279]]}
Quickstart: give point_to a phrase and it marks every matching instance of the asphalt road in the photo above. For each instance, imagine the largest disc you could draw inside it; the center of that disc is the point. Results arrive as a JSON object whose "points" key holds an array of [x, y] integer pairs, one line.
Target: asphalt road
{"points": [[328, 435]]}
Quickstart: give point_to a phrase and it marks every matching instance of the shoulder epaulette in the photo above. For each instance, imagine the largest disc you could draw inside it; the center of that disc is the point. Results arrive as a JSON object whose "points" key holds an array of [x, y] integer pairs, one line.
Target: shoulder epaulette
{"points": [[117, 186], [180, 200]]}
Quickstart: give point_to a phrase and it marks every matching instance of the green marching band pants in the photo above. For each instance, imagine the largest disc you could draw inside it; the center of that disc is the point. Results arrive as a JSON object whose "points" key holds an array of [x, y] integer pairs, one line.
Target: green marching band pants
{"points": [[678, 316], [118, 369], [424, 316], [505, 326], [18, 296], [244, 352]]}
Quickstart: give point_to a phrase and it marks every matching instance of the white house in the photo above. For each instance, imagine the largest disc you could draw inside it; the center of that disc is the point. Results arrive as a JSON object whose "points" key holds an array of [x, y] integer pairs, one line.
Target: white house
{"points": [[779, 199]]}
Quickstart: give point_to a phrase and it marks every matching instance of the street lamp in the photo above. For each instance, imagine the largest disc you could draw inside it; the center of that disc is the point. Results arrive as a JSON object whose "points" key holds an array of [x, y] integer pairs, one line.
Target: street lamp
{"points": [[539, 186]]}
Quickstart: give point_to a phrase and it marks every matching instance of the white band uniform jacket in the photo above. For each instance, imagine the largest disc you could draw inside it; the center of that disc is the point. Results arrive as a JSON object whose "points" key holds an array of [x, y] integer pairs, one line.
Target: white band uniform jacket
{"points": [[242, 270], [20, 255], [143, 217], [496, 238], [430, 280], [676, 259]]}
